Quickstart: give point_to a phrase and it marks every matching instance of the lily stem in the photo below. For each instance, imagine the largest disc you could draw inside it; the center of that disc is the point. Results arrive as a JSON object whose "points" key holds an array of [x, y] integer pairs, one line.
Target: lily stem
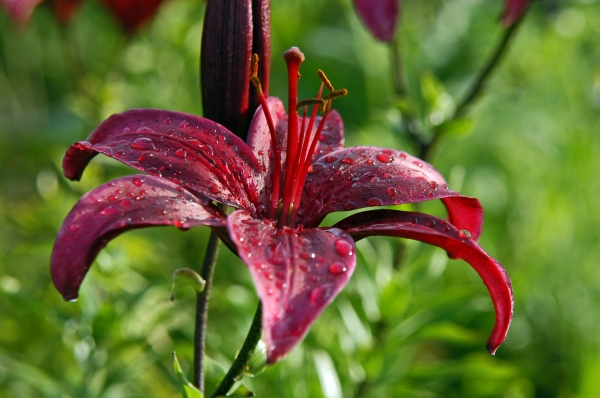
{"points": [[207, 272], [485, 73], [397, 67], [237, 367]]}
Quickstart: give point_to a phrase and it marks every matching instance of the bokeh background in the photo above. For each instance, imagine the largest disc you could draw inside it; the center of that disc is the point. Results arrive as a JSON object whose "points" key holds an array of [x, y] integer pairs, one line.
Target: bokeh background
{"points": [[411, 323]]}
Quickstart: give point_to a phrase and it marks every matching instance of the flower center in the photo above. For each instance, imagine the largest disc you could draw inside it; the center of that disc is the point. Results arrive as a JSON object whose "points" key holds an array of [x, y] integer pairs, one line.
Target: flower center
{"points": [[289, 178]]}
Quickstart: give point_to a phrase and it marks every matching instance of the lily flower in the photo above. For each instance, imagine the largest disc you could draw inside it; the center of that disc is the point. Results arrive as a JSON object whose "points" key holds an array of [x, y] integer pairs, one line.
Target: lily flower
{"points": [[290, 174], [514, 10], [380, 17]]}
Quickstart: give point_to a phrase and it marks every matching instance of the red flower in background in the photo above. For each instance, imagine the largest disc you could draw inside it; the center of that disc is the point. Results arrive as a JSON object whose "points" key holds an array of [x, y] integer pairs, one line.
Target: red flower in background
{"points": [[380, 16], [131, 14], [514, 10], [292, 173]]}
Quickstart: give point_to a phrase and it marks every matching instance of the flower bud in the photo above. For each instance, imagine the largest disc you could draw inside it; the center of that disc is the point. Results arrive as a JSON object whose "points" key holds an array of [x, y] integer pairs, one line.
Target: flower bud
{"points": [[233, 31], [380, 17]]}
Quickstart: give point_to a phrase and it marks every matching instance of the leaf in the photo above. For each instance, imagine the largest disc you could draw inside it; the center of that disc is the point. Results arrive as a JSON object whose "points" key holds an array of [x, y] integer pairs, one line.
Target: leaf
{"points": [[186, 277], [458, 128], [258, 361], [189, 390], [431, 88]]}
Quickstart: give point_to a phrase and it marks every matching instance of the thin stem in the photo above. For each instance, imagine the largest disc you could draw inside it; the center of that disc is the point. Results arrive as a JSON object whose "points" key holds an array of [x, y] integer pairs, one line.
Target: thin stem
{"points": [[207, 272], [397, 67], [237, 367], [485, 73]]}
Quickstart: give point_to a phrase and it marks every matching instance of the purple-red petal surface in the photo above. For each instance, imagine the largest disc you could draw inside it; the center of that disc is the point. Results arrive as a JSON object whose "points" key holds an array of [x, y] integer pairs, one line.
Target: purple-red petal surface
{"points": [[380, 16], [189, 150], [297, 274], [125, 203], [441, 233], [358, 177]]}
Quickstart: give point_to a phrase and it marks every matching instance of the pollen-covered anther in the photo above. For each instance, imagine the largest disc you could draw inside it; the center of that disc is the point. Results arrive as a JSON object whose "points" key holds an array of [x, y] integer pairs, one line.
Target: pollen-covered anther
{"points": [[336, 94], [311, 101], [325, 80], [254, 74]]}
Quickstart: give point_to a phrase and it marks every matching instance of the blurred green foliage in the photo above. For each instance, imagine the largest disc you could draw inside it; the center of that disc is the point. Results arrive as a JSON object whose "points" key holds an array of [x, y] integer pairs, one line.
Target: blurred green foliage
{"points": [[411, 323]]}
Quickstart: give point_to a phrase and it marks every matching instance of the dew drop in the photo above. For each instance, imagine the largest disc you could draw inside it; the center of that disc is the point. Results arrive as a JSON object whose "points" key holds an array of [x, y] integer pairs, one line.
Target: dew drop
{"points": [[74, 227], [178, 223], [384, 158], [143, 143], [320, 295], [430, 194], [347, 160], [446, 229], [344, 248], [167, 166], [274, 254], [418, 163], [126, 202], [330, 159], [337, 269], [137, 181], [433, 184], [391, 191], [315, 168], [415, 220], [167, 121], [431, 223], [145, 130], [183, 124], [374, 202], [464, 234], [181, 153]]}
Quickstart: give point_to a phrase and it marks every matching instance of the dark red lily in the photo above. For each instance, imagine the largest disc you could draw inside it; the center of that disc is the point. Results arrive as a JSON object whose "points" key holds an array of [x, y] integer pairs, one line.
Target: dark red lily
{"points": [[131, 14], [292, 173], [380, 16], [514, 10]]}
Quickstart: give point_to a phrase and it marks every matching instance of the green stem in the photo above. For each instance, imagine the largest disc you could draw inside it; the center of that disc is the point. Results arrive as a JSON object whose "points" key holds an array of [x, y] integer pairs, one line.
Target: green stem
{"points": [[237, 367], [207, 272], [486, 72], [397, 68]]}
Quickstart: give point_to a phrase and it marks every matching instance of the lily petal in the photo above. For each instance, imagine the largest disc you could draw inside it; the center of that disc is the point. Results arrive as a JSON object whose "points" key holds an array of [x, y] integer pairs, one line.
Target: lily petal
{"points": [[113, 208], [441, 233], [191, 151], [20, 10], [357, 177], [297, 274], [380, 16]]}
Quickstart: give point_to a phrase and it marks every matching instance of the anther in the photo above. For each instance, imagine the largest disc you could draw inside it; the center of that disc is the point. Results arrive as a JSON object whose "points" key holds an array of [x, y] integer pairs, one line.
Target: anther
{"points": [[254, 76], [325, 80], [335, 94], [310, 101]]}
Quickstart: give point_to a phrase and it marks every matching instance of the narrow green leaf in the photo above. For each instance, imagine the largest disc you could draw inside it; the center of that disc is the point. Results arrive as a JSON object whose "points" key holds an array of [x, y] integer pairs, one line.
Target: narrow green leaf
{"points": [[189, 390]]}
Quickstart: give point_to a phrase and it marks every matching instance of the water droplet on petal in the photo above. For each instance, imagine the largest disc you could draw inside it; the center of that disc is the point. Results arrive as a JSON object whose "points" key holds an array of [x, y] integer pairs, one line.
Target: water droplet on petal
{"points": [[347, 160], [183, 124], [433, 184], [181, 153], [74, 227], [446, 229], [330, 159], [143, 143], [344, 248], [337, 269], [391, 191], [315, 168], [137, 181], [464, 234], [384, 158], [431, 223], [374, 202], [167, 166], [320, 295], [415, 220], [430, 194], [167, 121], [126, 202], [274, 254], [178, 223], [145, 130]]}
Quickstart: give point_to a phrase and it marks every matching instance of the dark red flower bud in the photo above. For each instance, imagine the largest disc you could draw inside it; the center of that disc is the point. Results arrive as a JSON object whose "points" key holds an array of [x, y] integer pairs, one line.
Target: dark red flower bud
{"points": [[380, 16], [233, 31], [514, 10], [132, 13]]}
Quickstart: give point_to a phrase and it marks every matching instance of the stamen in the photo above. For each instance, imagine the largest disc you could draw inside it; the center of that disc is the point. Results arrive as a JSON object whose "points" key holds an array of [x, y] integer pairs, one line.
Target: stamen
{"points": [[293, 58], [325, 80], [274, 195], [336, 94], [309, 102]]}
